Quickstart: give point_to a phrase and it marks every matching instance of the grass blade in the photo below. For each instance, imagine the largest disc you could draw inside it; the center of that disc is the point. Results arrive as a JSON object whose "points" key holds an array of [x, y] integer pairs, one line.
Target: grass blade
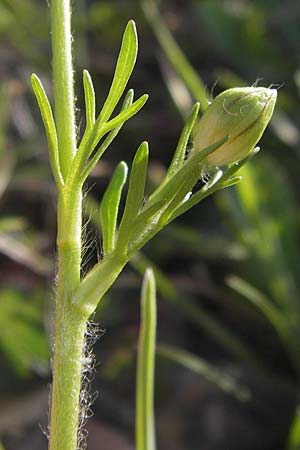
{"points": [[145, 426], [196, 313]]}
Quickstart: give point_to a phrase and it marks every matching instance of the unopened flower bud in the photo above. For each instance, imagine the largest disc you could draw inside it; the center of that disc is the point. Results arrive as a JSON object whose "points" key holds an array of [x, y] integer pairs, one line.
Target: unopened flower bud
{"points": [[242, 114]]}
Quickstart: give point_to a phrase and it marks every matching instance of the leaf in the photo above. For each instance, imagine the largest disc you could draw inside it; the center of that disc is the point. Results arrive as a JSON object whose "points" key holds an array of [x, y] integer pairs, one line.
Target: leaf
{"points": [[135, 195], [145, 427], [89, 143], [50, 128], [125, 115], [178, 158], [90, 100], [106, 143], [173, 194], [125, 64], [110, 206], [196, 313]]}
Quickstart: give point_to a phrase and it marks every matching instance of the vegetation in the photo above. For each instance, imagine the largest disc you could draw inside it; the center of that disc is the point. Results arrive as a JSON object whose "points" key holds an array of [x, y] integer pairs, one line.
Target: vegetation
{"points": [[264, 237]]}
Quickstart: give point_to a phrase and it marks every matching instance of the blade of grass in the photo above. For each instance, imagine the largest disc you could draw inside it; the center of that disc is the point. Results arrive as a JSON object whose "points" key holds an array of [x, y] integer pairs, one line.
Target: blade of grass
{"points": [[196, 313]]}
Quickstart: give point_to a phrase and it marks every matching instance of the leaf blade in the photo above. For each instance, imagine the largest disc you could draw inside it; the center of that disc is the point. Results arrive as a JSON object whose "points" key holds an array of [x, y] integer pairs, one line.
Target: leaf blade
{"points": [[110, 206], [49, 124], [135, 195], [124, 67], [179, 154], [90, 99]]}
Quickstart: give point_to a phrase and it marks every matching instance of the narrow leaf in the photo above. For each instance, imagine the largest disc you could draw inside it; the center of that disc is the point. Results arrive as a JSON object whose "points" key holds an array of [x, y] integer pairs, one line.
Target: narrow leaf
{"points": [[108, 140], [125, 115], [88, 145], [178, 158], [196, 313], [145, 426], [50, 128], [90, 100], [110, 206], [125, 64], [135, 195]]}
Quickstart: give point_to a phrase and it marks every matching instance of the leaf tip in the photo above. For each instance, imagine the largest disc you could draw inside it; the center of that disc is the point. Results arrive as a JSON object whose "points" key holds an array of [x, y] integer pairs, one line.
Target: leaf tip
{"points": [[149, 278], [123, 168]]}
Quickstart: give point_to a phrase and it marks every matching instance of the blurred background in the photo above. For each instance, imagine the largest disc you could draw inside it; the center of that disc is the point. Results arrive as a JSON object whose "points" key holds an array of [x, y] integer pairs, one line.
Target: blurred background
{"points": [[228, 362]]}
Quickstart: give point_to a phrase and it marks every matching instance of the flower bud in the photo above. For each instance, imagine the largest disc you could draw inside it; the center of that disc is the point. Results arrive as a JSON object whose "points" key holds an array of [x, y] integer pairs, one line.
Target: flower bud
{"points": [[242, 114]]}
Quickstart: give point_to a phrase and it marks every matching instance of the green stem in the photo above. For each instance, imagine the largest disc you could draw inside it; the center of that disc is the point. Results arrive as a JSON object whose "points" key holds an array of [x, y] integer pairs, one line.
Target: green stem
{"points": [[70, 326], [63, 82]]}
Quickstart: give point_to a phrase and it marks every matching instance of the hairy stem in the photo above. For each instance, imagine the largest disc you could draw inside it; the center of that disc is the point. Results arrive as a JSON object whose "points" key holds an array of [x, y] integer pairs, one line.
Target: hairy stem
{"points": [[70, 327]]}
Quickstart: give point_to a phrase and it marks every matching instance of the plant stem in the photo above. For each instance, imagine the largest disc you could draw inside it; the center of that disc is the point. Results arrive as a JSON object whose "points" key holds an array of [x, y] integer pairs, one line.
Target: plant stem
{"points": [[70, 325], [63, 82]]}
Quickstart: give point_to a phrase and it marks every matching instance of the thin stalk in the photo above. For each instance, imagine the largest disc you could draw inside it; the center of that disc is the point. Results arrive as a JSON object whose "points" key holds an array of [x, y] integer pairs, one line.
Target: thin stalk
{"points": [[63, 82], [70, 324]]}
